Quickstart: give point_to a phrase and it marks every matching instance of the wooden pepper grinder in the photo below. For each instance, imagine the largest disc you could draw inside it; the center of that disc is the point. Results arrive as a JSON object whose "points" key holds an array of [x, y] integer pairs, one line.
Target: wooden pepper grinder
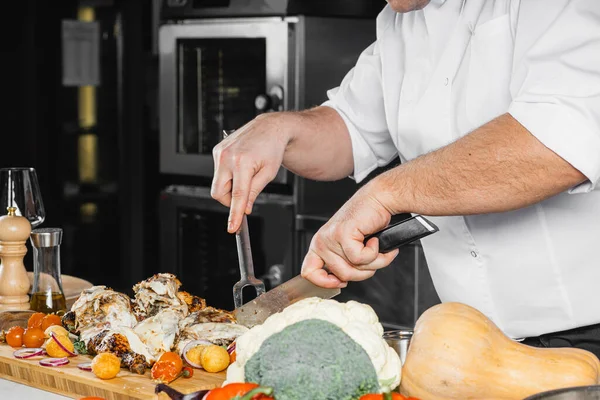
{"points": [[14, 281]]}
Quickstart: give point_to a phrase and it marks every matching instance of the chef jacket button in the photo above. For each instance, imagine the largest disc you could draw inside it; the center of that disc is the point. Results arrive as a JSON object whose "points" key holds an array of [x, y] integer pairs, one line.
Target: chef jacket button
{"points": [[474, 254], [446, 82]]}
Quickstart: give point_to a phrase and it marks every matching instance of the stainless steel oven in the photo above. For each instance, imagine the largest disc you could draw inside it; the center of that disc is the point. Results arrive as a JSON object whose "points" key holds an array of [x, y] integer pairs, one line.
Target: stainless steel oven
{"points": [[196, 247], [215, 75], [219, 73]]}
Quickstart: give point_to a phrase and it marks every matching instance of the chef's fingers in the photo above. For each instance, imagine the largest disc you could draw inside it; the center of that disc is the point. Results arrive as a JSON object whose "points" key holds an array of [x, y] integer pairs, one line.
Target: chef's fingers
{"points": [[345, 272], [355, 251], [220, 189], [382, 261], [242, 178], [335, 263], [259, 181], [312, 270]]}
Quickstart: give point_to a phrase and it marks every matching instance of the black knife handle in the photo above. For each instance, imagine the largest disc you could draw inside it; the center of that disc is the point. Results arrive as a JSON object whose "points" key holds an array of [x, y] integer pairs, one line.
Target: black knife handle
{"points": [[403, 232]]}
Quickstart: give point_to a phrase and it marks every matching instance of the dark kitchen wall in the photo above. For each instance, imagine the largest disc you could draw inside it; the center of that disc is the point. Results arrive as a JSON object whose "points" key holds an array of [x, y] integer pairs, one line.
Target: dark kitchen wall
{"points": [[108, 212]]}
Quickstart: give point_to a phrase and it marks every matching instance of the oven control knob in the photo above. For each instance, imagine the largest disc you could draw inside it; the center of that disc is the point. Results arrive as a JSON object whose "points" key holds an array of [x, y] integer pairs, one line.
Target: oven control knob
{"points": [[262, 103], [270, 102]]}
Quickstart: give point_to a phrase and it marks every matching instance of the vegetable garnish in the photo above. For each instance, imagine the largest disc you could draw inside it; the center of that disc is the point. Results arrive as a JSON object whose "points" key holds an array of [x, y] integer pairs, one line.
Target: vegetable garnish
{"points": [[175, 395], [386, 396], [214, 358], [62, 342], [28, 353], [106, 365], [54, 362], [33, 337], [50, 320], [87, 366], [14, 336], [231, 347], [241, 391], [187, 372], [35, 321], [232, 352], [167, 368], [191, 358], [80, 347]]}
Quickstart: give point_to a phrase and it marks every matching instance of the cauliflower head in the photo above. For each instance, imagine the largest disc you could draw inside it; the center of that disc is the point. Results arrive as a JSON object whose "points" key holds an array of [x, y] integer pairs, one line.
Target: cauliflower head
{"points": [[358, 322]]}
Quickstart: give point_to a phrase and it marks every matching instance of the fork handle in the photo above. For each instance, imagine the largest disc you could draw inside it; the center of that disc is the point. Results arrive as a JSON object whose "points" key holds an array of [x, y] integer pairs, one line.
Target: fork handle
{"points": [[242, 239]]}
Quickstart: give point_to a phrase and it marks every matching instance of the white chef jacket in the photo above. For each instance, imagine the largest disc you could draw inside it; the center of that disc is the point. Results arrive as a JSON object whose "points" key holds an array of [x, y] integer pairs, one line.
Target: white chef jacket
{"points": [[436, 74]]}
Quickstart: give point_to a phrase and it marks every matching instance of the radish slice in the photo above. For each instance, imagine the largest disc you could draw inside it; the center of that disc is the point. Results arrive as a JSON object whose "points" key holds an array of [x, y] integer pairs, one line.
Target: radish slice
{"points": [[53, 336], [85, 366], [54, 362], [190, 346], [28, 353]]}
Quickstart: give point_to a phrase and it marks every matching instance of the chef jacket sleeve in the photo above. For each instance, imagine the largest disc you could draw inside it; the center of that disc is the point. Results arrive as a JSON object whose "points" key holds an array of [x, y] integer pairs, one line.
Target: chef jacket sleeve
{"points": [[359, 101], [556, 80]]}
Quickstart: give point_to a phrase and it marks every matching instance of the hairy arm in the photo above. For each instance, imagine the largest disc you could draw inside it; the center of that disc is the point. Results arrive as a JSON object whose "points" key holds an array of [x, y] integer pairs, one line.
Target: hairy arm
{"points": [[319, 145], [498, 167]]}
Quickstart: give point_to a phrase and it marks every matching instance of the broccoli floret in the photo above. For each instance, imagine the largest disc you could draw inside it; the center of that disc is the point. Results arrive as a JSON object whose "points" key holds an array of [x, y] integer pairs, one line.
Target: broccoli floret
{"points": [[313, 359]]}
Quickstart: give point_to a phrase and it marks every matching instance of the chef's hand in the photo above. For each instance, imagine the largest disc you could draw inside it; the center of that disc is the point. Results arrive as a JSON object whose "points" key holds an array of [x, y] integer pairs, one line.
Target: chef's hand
{"points": [[246, 162], [337, 252]]}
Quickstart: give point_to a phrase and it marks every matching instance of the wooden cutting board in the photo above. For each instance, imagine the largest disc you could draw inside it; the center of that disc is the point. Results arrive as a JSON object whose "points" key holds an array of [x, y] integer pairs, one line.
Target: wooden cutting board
{"points": [[70, 381]]}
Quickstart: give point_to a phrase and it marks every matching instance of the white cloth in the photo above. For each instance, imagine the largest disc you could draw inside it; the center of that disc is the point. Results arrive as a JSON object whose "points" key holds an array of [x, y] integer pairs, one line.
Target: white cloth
{"points": [[436, 74]]}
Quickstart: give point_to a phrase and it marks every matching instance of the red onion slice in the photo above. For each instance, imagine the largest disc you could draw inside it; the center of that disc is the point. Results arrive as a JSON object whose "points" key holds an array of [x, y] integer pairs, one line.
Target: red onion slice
{"points": [[190, 346], [54, 362], [70, 353], [87, 366], [231, 348], [28, 353]]}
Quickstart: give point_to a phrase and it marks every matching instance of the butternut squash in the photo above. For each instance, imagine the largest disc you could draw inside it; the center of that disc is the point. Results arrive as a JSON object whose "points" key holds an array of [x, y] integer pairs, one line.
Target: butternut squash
{"points": [[456, 352]]}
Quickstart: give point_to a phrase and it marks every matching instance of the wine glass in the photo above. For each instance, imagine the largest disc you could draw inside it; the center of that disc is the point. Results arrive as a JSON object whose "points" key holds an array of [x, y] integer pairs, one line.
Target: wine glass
{"points": [[20, 189]]}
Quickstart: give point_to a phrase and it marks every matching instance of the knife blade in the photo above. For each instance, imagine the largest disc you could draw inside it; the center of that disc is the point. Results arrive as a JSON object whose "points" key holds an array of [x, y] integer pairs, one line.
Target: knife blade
{"points": [[256, 311]]}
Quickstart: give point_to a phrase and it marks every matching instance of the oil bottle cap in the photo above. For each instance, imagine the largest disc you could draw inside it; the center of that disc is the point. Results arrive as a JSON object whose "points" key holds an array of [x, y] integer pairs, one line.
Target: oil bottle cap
{"points": [[46, 237]]}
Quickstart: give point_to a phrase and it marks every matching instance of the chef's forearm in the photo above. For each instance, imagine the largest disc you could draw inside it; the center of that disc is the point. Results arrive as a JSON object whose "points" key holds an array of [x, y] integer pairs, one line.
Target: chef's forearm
{"points": [[498, 167], [320, 146]]}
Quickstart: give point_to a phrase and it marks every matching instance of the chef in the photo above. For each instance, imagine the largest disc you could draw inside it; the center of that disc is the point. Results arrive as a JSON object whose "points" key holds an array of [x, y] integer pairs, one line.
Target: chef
{"points": [[494, 110]]}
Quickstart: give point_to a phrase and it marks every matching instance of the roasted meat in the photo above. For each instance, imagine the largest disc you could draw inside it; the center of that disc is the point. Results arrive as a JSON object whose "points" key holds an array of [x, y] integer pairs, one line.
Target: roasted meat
{"points": [[99, 307], [207, 314], [157, 293], [68, 321], [158, 332], [159, 319], [117, 343], [194, 303]]}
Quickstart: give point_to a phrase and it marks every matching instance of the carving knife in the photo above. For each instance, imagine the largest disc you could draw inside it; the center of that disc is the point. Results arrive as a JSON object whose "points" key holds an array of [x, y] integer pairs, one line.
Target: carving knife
{"points": [[256, 311]]}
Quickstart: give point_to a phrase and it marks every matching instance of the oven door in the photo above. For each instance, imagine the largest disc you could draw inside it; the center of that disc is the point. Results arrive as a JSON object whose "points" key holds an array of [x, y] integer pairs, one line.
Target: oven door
{"points": [[217, 75], [195, 246]]}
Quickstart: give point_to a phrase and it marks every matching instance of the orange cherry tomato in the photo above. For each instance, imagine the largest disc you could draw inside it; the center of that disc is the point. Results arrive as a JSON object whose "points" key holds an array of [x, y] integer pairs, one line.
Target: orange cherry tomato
{"points": [[173, 358], [14, 336], [187, 372], [33, 337], [35, 321], [167, 368], [164, 372], [237, 390], [393, 396], [50, 320]]}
